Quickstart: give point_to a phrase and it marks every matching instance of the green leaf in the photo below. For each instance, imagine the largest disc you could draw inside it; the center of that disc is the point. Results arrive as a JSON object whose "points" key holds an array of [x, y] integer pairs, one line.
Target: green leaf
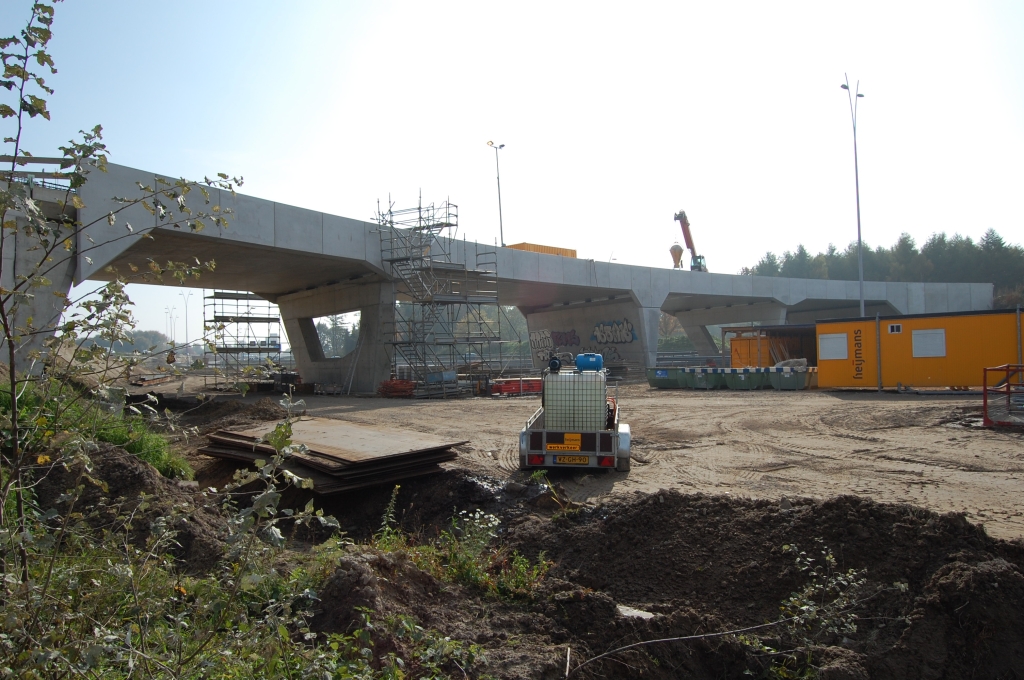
{"points": [[6, 111], [251, 581], [35, 106], [274, 536], [43, 59]]}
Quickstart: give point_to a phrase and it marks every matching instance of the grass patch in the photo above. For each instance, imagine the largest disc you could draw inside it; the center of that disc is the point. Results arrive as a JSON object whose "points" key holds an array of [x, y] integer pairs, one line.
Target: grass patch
{"points": [[43, 417], [133, 435], [465, 553]]}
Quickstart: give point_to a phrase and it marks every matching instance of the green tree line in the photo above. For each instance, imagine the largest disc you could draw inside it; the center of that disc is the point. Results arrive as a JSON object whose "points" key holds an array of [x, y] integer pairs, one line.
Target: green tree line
{"points": [[337, 337], [143, 342], [942, 259]]}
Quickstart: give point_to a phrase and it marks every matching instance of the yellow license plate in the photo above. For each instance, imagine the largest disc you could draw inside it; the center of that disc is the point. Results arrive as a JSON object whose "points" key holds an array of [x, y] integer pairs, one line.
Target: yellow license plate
{"points": [[570, 442], [572, 460]]}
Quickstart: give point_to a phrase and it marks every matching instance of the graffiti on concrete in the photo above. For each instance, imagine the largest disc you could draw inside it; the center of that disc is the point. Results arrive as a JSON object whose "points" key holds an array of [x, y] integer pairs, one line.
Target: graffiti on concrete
{"points": [[541, 344], [545, 342], [541, 340], [565, 338], [608, 332]]}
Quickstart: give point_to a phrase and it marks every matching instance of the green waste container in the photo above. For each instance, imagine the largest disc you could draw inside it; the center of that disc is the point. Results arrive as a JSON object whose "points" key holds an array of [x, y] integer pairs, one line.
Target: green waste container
{"points": [[700, 380], [665, 378], [746, 381], [790, 380]]}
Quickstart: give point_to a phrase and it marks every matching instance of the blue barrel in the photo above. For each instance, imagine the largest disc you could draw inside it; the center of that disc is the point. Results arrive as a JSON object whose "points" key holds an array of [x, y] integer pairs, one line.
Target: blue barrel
{"points": [[589, 362]]}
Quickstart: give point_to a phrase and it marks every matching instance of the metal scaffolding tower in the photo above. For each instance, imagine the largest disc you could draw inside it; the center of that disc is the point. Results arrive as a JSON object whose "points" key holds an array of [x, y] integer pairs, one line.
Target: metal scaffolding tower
{"points": [[447, 318], [247, 335]]}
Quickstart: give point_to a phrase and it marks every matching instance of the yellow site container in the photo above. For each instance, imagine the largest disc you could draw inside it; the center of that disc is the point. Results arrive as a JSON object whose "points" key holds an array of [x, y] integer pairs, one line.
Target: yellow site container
{"points": [[924, 350], [751, 351], [764, 346], [546, 250]]}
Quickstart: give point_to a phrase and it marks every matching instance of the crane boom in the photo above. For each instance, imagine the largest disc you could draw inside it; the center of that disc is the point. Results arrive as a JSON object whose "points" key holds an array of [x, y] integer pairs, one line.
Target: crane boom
{"points": [[687, 236], [697, 263]]}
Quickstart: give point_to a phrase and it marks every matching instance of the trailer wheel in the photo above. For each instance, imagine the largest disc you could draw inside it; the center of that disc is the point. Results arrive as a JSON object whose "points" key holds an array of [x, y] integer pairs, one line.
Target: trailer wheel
{"points": [[622, 464]]}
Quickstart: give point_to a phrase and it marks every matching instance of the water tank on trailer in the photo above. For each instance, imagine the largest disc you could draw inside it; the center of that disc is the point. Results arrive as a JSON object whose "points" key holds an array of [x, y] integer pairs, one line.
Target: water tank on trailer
{"points": [[589, 362]]}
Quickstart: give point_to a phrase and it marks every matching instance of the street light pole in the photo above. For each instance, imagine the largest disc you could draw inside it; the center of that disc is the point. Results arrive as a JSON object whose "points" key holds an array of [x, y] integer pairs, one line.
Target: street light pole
{"points": [[853, 97], [185, 298], [170, 322], [497, 166]]}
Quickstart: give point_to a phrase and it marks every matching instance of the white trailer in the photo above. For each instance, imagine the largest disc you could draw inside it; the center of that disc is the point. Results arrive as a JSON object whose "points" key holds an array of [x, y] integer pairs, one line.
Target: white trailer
{"points": [[577, 425]]}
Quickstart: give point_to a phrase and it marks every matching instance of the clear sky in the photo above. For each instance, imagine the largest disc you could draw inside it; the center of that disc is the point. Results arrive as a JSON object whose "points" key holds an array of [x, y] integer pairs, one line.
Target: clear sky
{"points": [[614, 115]]}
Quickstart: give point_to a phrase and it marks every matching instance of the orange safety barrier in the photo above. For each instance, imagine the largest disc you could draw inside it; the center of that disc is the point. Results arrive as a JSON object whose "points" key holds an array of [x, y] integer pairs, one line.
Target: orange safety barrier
{"points": [[512, 387], [397, 389]]}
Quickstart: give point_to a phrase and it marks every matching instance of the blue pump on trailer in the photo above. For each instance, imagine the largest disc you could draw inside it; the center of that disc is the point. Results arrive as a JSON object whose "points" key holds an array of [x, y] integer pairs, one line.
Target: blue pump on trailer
{"points": [[589, 362]]}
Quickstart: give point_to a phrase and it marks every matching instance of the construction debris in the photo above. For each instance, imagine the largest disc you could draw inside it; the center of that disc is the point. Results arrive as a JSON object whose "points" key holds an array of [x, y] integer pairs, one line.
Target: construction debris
{"points": [[397, 389], [340, 456], [146, 381]]}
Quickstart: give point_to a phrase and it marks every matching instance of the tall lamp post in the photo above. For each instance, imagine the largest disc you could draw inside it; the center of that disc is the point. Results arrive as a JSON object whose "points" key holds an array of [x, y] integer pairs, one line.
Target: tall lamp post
{"points": [[497, 166], [853, 96], [184, 297], [169, 311]]}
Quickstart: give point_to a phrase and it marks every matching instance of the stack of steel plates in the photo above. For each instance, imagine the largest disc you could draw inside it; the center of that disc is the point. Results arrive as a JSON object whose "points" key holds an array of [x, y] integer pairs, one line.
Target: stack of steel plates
{"points": [[339, 455]]}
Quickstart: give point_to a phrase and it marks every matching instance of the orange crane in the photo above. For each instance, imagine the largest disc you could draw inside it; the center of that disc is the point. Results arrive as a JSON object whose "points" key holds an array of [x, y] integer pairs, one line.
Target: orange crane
{"points": [[697, 263]]}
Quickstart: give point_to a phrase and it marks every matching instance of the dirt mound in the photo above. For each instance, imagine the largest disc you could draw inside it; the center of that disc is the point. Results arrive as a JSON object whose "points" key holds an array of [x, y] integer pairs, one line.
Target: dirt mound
{"points": [[220, 413], [968, 622], [425, 504], [722, 557], [693, 564], [119, 479]]}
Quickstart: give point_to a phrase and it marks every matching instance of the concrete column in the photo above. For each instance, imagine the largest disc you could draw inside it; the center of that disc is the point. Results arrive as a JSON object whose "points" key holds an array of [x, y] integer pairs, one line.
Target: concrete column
{"points": [[702, 340], [42, 307], [375, 303], [621, 331], [649, 321]]}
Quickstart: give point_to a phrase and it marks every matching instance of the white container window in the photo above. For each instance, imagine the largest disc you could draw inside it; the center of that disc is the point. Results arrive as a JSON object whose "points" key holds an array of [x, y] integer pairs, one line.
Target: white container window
{"points": [[930, 343], [895, 328], [832, 346]]}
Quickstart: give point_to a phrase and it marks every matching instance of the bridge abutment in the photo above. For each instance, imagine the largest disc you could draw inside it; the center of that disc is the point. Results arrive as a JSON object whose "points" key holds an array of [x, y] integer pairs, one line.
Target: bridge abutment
{"points": [[39, 310], [365, 366], [620, 331]]}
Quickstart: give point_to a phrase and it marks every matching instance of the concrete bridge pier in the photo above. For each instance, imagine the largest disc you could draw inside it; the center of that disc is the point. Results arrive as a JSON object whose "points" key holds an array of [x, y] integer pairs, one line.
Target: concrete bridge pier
{"points": [[696, 321], [375, 302], [41, 306], [701, 338], [620, 330]]}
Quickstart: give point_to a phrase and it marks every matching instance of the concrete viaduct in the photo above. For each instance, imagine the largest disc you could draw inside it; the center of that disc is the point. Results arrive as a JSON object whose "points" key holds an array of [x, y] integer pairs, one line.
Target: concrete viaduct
{"points": [[314, 264]]}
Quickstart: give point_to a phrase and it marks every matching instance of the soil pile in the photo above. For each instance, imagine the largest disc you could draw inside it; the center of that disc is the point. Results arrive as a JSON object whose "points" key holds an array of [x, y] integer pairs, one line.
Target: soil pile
{"points": [[702, 564], [114, 489], [724, 557], [217, 414]]}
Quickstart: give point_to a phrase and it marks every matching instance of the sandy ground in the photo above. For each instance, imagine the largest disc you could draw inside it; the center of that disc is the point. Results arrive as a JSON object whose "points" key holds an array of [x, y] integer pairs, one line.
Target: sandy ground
{"points": [[766, 444]]}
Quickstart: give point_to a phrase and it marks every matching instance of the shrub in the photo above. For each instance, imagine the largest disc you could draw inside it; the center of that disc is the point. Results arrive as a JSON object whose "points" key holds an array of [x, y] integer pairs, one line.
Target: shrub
{"points": [[465, 553]]}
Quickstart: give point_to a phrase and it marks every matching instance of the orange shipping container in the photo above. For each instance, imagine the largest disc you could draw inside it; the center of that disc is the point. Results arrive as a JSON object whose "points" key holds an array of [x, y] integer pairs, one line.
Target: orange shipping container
{"points": [[545, 250], [925, 350], [750, 351]]}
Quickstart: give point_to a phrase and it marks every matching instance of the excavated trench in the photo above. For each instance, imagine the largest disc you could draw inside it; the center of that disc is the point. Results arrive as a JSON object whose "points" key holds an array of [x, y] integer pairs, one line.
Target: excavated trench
{"points": [[665, 564], [668, 564]]}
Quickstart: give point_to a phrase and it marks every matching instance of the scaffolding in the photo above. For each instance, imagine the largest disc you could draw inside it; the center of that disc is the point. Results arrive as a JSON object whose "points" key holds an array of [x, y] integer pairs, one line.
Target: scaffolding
{"points": [[246, 337], [447, 318]]}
